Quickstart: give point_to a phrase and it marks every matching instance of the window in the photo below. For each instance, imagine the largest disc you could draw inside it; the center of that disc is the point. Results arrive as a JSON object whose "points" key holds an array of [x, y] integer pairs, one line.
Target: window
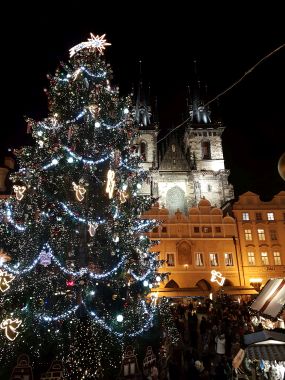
{"points": [[164, 229], [207, 229], [273, 235], [206, 153], [264, 258], [199, 261], [170, 259], [214, 259], [209, 188], [270, 216], [245, 216], [247, 234], [251, 258], [258, 216], [218, 229], [229, 259], [277, 258], [143, 150], [196, 229], [174, 162], [261, 234], [155, 229]]}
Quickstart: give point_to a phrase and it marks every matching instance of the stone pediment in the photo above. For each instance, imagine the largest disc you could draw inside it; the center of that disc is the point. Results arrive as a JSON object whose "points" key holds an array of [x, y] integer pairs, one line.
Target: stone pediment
{"points": [[174, 158]]}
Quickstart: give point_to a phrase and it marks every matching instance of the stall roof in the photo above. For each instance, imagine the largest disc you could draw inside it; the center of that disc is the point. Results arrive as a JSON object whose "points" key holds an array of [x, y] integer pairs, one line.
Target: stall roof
{"points": [[265, 345], [271, 300]]}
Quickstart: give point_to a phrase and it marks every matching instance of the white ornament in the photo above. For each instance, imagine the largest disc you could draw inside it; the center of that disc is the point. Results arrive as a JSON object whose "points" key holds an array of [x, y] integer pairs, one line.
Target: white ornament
{"points": [[120, 318], [45, 258], [5, 278], [110, 183], [10, 328], [95, 42], [92, 228], [217, 277], [19, 190], [79, 191]]}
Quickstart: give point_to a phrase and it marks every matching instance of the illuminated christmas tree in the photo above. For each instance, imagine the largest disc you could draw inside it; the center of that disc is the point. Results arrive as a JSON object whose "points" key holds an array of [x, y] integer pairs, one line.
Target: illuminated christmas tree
{"points": [[80, 264]]}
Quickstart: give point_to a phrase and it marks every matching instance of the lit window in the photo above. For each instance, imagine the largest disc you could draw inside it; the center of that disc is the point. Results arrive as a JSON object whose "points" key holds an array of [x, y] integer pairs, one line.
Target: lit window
{"points": [[277, 258], [247, 234], [170, 259], [264, 258], [214, 259], [251, 258], [273, 235], [261, 234], [245, 216], [199, 261], [229, 259], [270, 216], [207, 229]]}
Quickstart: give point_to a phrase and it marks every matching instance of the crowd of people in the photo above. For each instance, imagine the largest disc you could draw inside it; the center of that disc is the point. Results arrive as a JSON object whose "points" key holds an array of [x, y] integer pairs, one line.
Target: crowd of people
{"points": [[211, 336]]}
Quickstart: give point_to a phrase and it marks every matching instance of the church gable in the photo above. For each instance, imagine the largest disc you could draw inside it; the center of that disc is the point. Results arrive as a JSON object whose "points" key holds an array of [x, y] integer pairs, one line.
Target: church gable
{"points": [[174, 159]]}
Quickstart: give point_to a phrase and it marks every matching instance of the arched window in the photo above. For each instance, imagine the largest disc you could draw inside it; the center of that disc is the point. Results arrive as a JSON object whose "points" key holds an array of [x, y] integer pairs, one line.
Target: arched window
{"points": [[206, 150], [175, 199], [184, 254], [172, 284]]}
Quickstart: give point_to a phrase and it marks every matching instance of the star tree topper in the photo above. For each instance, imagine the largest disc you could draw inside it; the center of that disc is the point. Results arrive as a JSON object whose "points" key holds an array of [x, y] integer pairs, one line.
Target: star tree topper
{"points": [[95, 42]]}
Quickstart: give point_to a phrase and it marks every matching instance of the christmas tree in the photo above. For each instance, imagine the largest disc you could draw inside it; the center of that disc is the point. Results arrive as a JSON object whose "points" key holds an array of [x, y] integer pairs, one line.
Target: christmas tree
{"points": [[76, 264]]}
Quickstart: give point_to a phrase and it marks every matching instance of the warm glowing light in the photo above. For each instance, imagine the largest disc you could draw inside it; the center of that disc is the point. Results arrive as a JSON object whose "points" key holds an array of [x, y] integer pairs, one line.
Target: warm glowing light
{"points": [[95, 42], [92, 228], [255, 280], [19, 190], [110, 183], [3, 257], [10, 326], [79, 191], [217, 277], [5, 278]]}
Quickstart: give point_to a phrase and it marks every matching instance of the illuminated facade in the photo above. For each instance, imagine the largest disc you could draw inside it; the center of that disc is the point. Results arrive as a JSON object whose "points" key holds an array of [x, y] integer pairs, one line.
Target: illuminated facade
{"points": [[261, 231]]}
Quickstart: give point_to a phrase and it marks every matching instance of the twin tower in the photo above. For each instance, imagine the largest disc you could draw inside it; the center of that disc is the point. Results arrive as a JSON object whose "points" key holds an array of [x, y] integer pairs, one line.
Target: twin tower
{"points": [[187, 166]]}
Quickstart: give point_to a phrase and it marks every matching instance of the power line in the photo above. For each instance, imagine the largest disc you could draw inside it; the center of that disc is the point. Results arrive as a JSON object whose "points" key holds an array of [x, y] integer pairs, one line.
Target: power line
{"points": [[227, 89]]}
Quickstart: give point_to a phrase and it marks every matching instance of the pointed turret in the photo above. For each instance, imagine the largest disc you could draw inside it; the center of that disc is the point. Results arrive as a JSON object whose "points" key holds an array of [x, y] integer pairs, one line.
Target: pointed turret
{"points": [[142, 112]]}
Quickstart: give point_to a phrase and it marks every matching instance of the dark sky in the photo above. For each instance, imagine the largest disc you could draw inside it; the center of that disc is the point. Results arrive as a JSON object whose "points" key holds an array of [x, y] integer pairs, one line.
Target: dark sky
{"points": [[225, 40]]}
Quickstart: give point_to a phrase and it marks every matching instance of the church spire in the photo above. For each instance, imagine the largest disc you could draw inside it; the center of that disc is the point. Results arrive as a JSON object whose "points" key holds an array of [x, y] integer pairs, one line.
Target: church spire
{"points": [[199, 114], [142, 113]]}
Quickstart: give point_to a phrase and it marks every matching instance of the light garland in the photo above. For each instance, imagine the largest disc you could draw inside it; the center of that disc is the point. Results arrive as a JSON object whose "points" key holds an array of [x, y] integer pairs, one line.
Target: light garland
{"points": [[47, 318], [82, 220], [84, 160], [11, 220], [79, 273]]}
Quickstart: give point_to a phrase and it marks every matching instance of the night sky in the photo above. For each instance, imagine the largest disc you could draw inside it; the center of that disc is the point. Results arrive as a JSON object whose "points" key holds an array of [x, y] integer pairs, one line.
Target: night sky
{"points": [[226, 42]]}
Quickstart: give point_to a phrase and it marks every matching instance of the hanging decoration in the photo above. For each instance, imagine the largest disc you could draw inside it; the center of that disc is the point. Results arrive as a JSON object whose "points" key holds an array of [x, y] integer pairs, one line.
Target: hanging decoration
{"points": [[217, 277], [79, 191], [45, 258], [123, 196], [19, 190], [5, 279], [110, 183], [10, 327], [92, 228]]}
